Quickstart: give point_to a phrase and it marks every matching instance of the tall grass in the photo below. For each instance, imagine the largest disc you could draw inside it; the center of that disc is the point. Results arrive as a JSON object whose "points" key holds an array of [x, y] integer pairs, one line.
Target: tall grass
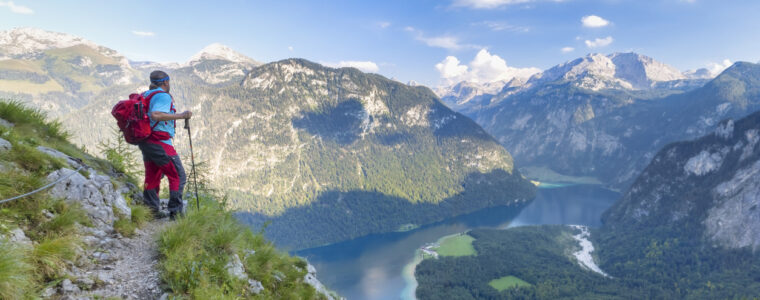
{"points": [[196, 249], [51, 254], [32, 119], [16, 273]]}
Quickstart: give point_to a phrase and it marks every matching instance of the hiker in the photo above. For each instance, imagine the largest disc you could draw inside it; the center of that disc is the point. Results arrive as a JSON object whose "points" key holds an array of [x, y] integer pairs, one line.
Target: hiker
{"points": [[158, 153]]}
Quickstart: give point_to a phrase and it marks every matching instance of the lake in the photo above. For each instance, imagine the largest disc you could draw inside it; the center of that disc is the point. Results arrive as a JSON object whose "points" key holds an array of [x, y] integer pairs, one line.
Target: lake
{"points": [[380, 266]]}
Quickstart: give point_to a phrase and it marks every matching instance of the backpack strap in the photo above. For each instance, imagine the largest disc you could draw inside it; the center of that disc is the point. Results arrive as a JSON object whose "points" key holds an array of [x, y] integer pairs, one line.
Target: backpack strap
{"points": [[147, 103]]}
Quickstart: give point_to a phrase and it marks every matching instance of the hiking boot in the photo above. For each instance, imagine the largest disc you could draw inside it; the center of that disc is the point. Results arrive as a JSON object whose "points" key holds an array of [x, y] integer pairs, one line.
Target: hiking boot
{"points": [[173, 215], [160, 215]]}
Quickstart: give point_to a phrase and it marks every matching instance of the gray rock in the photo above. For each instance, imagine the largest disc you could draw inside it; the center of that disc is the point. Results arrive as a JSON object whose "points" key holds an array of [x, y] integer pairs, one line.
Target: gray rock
{"points": [[235, 268], [96, 195], [85, 282], [255, 286], [102, 256], [58, 154], [17, 236], [6, 124], [76, 188], [48, 292], [104, 277], [67, 287], [164, 296], [5, 145], [47, 214], [90, 241], [110, 194], [311, 279]]}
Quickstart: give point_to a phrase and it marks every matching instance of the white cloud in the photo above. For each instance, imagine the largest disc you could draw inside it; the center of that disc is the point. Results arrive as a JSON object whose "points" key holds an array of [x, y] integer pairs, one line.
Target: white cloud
{"points": [[717, 68], [143, 33], [567, 49], [444, 41], [487, 4], [290, 48], [484, 68], [502, 26], [450, 68], [18, 9], [596, 43], [364, 66], [383, 24], [594, 21]]}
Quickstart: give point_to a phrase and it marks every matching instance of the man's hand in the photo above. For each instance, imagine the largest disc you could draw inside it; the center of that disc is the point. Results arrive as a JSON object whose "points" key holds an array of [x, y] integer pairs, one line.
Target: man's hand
{"points": [[161, 116]]}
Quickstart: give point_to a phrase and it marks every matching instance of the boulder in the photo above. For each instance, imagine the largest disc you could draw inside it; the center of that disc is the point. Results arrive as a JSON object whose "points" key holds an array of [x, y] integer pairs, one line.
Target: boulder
{"points": [[5, 145], [5, 123]]}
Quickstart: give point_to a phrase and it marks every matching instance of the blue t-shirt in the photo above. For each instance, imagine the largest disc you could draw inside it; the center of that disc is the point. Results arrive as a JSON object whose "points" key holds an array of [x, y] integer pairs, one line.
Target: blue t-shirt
{"points": [[161, 102]]}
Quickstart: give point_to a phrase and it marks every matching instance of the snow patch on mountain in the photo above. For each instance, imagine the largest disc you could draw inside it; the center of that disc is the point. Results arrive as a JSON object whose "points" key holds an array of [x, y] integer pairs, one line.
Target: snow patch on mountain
{"points": [[24, 41]]}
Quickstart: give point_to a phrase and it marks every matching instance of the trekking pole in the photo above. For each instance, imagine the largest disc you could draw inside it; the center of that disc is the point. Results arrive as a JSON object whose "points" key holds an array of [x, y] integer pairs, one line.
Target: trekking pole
{"points": [[192, 161]]}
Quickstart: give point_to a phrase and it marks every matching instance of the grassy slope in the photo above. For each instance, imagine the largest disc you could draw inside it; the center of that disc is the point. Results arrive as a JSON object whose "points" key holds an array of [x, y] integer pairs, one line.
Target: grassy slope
{"points": [[25, 271], [196, 249]]}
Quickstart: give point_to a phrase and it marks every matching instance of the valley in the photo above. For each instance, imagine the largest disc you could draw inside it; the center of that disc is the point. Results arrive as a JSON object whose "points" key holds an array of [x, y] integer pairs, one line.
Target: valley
{"points": [[606, 176]]}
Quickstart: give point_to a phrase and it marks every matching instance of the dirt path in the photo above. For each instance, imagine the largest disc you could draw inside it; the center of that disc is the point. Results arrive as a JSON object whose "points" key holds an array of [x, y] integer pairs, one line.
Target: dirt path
{"points": [[127, 267]]}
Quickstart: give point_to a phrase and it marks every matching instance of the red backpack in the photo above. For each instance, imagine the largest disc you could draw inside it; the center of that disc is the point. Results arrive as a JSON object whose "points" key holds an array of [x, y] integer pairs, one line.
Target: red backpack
{"points": [[132, 117]]}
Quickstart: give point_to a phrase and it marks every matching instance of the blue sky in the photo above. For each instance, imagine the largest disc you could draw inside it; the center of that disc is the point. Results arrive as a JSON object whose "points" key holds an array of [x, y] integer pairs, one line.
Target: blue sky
{"points": [[407, 39]]}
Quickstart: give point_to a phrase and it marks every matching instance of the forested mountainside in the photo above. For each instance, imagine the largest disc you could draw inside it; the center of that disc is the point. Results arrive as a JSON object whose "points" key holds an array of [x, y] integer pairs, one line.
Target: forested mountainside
{"points": [[310, 147], [587, 119]]}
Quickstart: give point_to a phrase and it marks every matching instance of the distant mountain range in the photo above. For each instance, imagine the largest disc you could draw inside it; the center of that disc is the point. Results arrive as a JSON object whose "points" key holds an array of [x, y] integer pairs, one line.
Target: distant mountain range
{"points": [[325, 154], [606, 116]]}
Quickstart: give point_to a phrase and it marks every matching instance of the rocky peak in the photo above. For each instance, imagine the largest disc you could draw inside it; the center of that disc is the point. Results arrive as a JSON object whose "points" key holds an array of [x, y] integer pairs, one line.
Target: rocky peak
{"points": [[642, 71], [218, 51], [618, 70]]}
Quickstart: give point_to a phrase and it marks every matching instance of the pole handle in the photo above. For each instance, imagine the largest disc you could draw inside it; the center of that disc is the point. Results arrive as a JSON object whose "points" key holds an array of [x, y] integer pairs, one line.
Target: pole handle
{"points": [[187, 123]]}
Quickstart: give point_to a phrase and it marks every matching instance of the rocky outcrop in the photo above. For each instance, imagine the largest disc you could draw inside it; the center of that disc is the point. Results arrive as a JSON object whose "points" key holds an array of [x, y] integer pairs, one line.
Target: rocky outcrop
{"points": [[710, 186], [311, 279], [96, 195]]}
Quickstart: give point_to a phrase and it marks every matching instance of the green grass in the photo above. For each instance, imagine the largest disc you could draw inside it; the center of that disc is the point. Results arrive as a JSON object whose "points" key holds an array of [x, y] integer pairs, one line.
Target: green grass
{"points": [[16, 272], [456, 245], [50, 256], [508, 282], [195, 250]]}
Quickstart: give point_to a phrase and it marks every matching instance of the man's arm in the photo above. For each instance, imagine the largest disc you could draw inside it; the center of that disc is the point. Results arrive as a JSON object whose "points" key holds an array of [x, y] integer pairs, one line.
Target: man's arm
{"points": [[162, 116]]}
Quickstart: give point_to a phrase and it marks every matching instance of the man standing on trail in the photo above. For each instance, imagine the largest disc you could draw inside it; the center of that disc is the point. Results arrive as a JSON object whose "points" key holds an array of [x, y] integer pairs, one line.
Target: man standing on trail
{"points": [[159, 156]]}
